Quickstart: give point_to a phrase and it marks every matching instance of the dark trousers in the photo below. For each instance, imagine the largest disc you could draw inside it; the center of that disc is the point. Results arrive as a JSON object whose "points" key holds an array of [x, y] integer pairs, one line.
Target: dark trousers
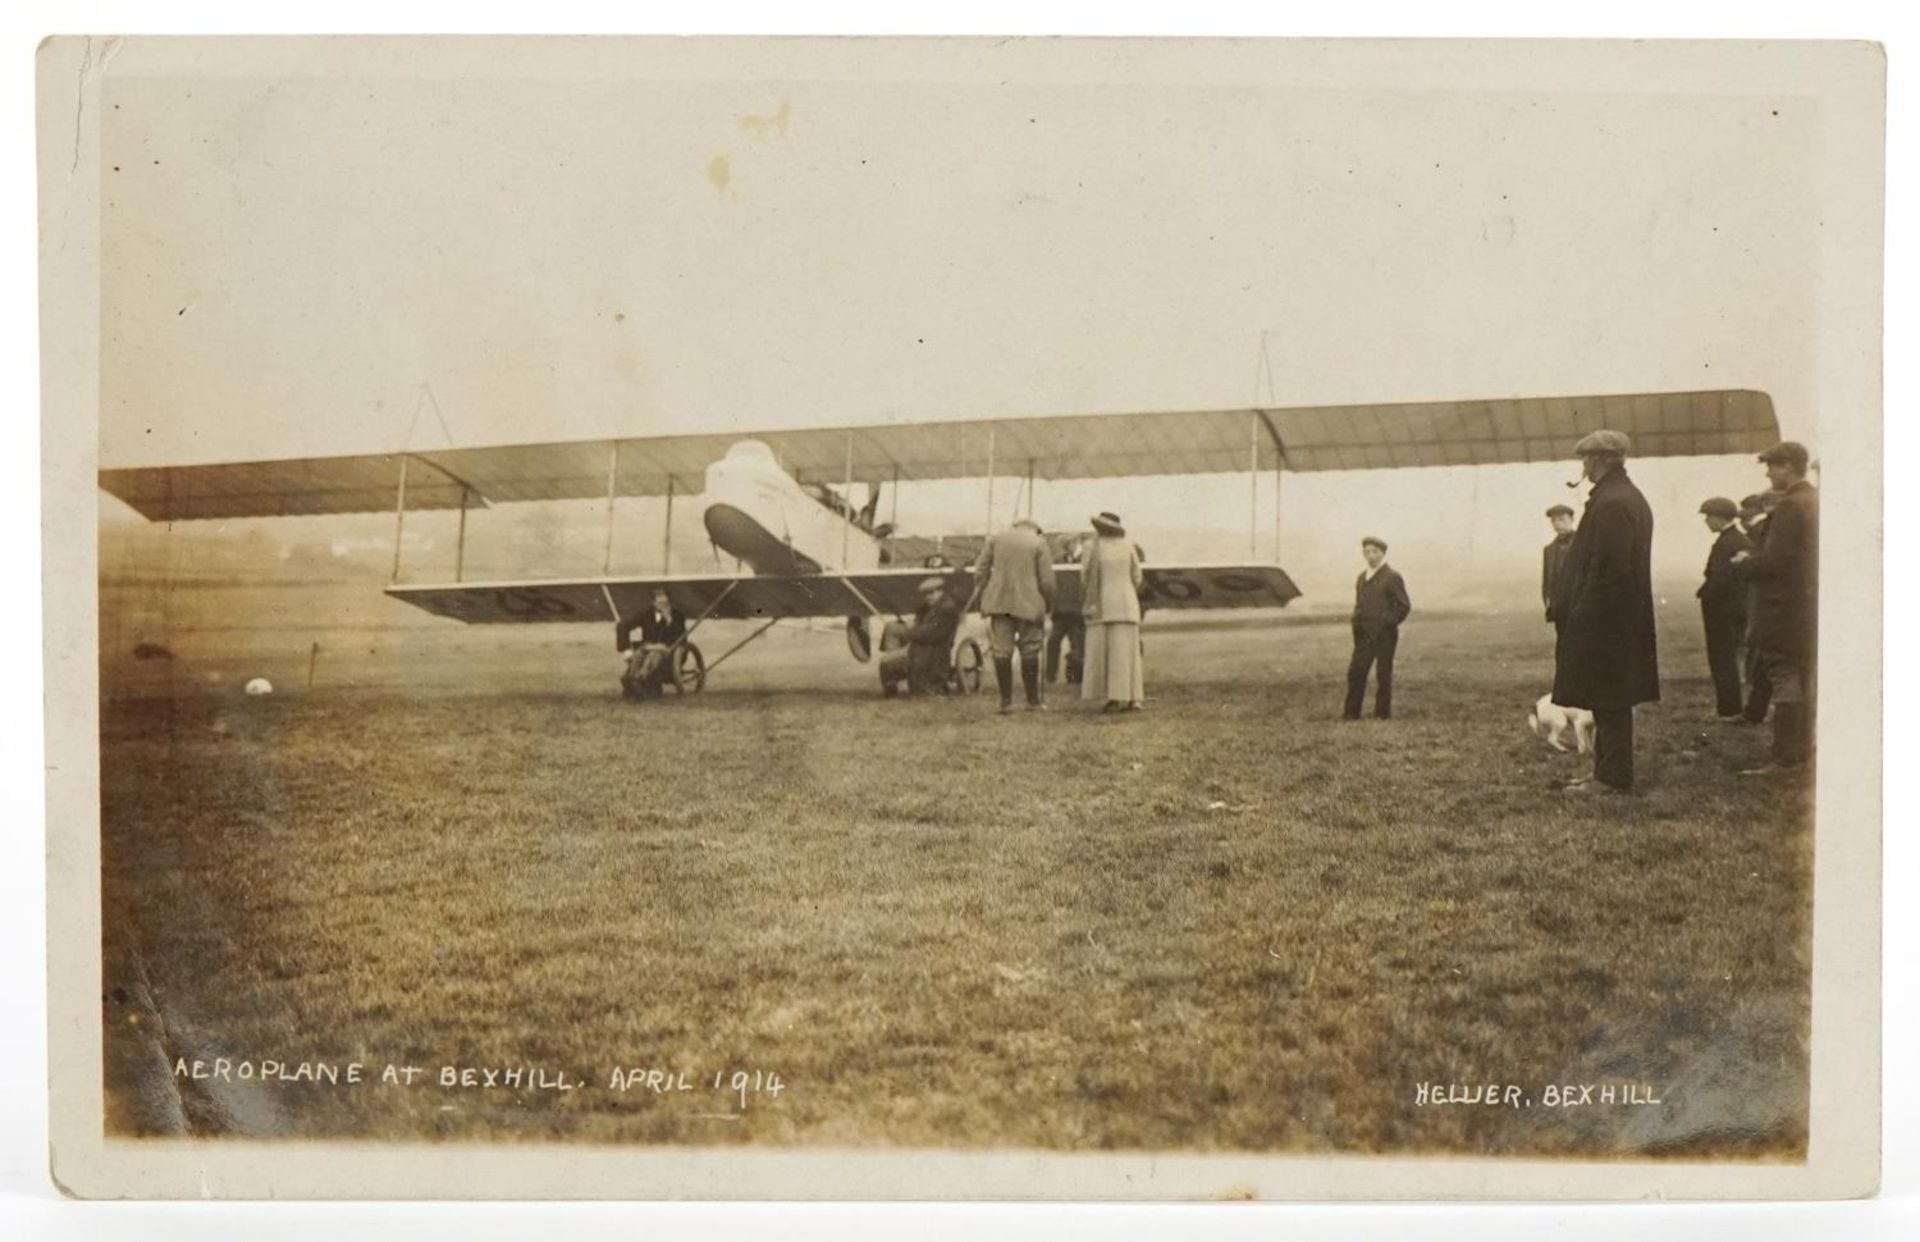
{"points": [[1370, 650], [1069, 632], [1613, 747], [1723, 655], [1791, 680], [647, 671], [1759, 689]]}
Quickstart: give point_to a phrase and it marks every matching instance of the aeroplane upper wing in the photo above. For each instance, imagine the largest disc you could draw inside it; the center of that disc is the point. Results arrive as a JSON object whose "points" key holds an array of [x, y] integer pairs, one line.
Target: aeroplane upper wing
{"points": [[1079, 446], [886, 592]]}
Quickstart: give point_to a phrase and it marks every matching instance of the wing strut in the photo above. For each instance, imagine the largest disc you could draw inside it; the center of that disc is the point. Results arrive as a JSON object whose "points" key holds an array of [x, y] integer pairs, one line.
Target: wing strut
{"points": [[989, 481], [666, 537], [399, 516], [613, 477], [460, 543], [769, 624], [847, 522], [1253, 485], [1279, 469], [724, 592], [860, 595]]}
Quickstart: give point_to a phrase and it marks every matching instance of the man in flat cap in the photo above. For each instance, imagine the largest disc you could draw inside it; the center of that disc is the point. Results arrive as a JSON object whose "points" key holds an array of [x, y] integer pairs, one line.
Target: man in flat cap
{"points": [[1380, 604], [1723, 605], [1015, 580], [921, 654], [1785, 573], [1553, 557], [1604, 658]]}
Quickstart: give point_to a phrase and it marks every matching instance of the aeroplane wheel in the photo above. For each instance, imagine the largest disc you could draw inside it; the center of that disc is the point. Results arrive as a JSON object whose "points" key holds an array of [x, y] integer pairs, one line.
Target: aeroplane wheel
{"points": [[968, 661], [689, 670], [859, 639]]}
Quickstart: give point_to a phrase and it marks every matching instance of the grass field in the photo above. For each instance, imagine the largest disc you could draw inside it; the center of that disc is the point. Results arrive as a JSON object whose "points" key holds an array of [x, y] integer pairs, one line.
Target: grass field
{"points": [[1229, 922]]}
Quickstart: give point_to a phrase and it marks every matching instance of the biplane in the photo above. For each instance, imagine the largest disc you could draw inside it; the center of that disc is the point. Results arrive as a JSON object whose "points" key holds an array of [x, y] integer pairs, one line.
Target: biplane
{"points": [[781, 502]]}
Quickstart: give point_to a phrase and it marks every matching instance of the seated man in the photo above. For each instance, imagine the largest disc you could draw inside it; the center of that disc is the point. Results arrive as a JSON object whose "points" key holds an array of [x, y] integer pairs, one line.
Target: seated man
{"points": [[661, 629], [921, 654]]}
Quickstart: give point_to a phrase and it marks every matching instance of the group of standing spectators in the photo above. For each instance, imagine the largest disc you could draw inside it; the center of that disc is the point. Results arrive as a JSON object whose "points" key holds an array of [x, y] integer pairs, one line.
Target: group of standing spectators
{"points": [[1017, 592], [1759, 606]]}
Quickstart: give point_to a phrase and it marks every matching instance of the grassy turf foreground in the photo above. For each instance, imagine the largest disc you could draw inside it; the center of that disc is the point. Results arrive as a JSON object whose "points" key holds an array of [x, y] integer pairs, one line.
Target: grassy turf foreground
{"points": [[1229, 922]]}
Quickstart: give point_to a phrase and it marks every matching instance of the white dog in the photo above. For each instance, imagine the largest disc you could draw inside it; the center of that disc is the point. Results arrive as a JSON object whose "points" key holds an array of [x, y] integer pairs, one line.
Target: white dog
{"points": [[1556, 723]]}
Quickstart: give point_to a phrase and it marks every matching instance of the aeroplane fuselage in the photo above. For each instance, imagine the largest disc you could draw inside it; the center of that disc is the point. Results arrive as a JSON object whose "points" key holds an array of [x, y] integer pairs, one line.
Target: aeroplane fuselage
{"points": [[757, 512]]}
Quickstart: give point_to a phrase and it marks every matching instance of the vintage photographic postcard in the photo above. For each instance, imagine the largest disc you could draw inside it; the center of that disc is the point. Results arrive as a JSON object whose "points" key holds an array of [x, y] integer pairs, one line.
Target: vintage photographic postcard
{"points": [[854, 618]]}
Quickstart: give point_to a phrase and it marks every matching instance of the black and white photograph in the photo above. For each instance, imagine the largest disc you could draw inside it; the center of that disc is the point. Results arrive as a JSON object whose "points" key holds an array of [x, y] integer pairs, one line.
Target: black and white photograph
{"points": [[1118, 618]]}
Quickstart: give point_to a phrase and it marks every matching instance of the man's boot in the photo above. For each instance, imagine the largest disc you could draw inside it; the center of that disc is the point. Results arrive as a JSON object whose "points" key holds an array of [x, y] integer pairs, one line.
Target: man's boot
{"points": [[1030, 677], [1790, 741], [1003, 673]]}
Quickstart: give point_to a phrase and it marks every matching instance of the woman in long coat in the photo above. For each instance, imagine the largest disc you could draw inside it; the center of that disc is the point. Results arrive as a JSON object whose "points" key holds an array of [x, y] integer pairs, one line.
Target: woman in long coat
{"points": [[1110, 582]]}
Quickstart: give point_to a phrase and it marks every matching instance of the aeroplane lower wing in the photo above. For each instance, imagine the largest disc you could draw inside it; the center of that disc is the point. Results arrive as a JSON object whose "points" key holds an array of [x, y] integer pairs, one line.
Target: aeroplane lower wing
{"points": [[1208, 586], [886, 592]]}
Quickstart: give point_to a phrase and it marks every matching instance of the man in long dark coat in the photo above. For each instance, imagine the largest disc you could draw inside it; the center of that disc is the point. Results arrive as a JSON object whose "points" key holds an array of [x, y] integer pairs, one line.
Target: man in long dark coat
{"points": [[1604, 658], [1723, 605], [1785, 573]]}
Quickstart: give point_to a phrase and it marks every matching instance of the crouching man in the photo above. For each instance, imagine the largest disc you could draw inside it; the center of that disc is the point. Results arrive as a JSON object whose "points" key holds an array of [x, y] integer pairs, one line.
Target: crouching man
{"points": [[649, 653], [920, 655]]}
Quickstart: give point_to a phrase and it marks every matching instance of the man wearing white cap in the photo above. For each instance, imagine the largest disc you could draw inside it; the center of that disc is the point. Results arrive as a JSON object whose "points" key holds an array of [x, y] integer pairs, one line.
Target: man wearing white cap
{"points": [[1604, 656]]}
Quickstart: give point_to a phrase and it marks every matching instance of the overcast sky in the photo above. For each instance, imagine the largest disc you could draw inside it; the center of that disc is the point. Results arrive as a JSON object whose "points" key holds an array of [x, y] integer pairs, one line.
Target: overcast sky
{"points": [[289, 259]]}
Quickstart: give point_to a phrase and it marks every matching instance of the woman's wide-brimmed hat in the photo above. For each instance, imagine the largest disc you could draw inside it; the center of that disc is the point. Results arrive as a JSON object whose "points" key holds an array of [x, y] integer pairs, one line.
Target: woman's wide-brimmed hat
{"points": [[1108, 524]]}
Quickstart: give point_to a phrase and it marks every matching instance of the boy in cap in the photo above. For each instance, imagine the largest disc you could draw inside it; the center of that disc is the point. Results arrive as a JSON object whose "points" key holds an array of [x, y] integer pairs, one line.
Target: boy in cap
{"points": [[1753, 514], [1604, 656], [1785, 573], [1380, 604], [1554, 556], [1723, 605]]}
